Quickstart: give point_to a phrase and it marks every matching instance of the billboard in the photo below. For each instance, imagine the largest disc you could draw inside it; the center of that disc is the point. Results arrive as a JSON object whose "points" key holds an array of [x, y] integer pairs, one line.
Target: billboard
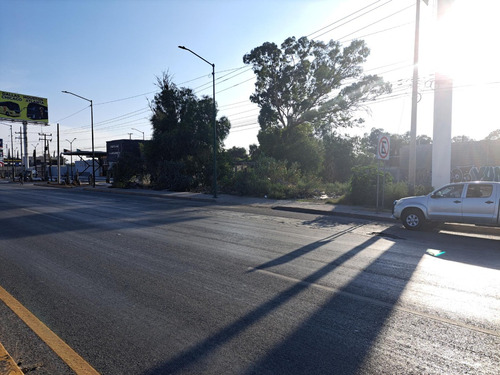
{"points": [[19, 107]]}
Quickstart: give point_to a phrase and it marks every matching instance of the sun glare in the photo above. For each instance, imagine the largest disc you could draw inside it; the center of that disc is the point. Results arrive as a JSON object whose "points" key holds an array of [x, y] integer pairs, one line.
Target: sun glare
{"points": [[465, 45]]}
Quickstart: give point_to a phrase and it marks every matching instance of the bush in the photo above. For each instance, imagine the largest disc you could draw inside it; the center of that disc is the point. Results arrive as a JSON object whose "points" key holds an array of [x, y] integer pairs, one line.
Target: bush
{"points": [[274, 179], [337, 189], [364, 185], [172, 175], [128, 171], [393, 191], [364, 188]]}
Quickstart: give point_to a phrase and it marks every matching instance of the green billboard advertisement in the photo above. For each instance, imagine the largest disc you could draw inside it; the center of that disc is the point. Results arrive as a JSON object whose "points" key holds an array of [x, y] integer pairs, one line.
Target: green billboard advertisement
{"points": [[19, 107]]}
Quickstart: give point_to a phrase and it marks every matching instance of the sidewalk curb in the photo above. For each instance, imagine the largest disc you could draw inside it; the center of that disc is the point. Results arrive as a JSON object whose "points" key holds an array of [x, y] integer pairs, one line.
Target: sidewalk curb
{"points": [[167, 196], [7, 364], [334, 213], [277, 207]]}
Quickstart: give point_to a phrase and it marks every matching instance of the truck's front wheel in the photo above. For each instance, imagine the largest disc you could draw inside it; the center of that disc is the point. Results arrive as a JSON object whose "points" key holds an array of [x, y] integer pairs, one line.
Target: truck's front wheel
{"points": [[412, 219]]}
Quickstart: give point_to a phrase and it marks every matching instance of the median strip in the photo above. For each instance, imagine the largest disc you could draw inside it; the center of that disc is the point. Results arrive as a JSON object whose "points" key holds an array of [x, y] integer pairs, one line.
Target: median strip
{"points": [[63, 350]]}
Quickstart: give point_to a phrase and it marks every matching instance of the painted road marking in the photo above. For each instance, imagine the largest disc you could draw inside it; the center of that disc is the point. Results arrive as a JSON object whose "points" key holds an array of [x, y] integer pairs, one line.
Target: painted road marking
{"points": [[7, 364], [63, 350]]}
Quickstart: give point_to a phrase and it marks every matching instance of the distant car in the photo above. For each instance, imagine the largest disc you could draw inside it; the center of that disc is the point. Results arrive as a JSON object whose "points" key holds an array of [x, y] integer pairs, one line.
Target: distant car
{"points": [[475, 202], [10, 109]]}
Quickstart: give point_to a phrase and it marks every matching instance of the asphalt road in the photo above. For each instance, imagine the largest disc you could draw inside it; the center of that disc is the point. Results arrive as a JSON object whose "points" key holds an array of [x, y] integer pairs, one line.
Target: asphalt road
{"points": [[142, 285]]}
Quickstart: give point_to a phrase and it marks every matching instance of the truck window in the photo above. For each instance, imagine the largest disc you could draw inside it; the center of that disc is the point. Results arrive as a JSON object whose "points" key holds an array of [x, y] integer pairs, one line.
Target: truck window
{"points": [[453, 191], [479, 191]]}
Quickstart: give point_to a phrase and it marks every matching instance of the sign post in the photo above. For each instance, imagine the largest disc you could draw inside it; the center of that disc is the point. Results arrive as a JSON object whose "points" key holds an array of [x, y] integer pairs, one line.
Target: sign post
{"points": [[383, 151]]}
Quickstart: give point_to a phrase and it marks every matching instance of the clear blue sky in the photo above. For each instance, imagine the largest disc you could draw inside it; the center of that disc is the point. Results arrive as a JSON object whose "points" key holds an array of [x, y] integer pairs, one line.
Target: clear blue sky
{"points": [[110, 50]]}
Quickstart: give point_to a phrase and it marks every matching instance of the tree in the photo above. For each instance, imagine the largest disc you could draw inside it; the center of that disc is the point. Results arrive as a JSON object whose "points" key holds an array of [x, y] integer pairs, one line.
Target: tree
{"points": [[461, 138], [295, 83], [424, 140], [339, 158], [295, 145], [237, 154], [180, 153], [254, 151], [303, 96], [493, 136]]}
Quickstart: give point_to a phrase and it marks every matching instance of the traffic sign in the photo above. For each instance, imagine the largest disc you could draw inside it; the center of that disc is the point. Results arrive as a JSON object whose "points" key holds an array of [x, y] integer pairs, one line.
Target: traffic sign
{"points": [[384, 147]]}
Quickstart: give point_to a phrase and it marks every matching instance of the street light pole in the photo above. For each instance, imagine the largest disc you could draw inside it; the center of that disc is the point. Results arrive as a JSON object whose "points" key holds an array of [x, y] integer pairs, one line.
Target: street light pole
{"points": [[71, 155], [215, 117], [137, 130], [92, 131]]}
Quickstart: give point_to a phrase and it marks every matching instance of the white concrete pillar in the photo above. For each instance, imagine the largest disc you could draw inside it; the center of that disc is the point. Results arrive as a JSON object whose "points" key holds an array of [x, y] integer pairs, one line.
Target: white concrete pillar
{"points": [[443, 100]]}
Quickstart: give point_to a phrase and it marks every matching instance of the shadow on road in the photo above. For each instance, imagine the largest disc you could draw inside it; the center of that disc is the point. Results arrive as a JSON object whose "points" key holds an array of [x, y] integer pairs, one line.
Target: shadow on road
{"points": [[335, 339]]}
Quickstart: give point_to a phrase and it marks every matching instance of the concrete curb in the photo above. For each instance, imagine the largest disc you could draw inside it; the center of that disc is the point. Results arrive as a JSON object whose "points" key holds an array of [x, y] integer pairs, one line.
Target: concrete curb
{"points": [[197, 198], [335, 213], [167, 196]]}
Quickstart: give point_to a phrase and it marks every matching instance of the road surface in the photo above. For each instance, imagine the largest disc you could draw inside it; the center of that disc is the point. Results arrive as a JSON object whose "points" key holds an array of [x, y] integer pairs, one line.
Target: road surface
{"points": [[144, 285]]}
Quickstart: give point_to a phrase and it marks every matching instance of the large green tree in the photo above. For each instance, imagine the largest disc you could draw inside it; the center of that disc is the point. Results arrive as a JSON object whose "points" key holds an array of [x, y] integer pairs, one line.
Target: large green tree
{"points": [[309, 82], [180, 153]]}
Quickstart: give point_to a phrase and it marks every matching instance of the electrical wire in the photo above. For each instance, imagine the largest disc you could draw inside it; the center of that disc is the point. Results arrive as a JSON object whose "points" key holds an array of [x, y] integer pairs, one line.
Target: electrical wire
{"points": [[345, 23], [376, 22]]}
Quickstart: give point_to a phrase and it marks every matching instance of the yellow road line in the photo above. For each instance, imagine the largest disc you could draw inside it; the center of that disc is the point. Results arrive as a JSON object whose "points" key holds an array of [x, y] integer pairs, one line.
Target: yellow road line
{"points": [[7, 364], [63, 350]]}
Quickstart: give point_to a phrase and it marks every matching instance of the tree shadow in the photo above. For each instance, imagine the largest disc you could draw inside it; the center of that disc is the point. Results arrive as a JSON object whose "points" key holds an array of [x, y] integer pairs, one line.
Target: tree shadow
{"points": [[71, 219]]}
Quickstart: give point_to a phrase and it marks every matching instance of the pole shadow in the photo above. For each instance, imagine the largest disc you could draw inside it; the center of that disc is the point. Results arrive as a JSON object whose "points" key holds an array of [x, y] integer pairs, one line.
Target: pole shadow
{"points": [[323, 344]]}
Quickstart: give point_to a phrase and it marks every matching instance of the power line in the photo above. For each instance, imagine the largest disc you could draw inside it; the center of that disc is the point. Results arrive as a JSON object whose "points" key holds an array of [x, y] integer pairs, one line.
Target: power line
{"points": [[380, 31], [341, 19], [81, 110], [380, 20]]}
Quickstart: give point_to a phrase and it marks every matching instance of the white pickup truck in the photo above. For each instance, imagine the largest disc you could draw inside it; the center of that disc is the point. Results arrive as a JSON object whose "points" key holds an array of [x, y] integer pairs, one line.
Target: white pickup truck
{"points": [[475, 202]]}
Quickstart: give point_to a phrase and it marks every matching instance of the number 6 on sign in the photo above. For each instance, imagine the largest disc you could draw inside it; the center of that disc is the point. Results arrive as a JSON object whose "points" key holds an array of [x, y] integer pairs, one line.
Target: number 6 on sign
{"points": [[383, 148]]}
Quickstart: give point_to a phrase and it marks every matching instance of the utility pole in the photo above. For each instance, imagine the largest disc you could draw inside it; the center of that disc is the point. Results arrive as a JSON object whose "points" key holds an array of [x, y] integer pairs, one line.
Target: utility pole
{"points": [[12, 153], [21, 145], [71, 155], [45, 151], [34, 157], [58, 158], [412, 166], [25, 140]]}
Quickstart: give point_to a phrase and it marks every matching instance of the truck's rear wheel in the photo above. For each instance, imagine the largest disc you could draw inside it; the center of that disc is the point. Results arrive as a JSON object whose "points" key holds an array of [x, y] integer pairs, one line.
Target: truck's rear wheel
{"points": [[412, 219]]}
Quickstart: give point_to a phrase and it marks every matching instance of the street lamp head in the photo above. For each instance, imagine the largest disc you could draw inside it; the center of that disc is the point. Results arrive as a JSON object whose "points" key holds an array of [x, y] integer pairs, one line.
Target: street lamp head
{"points": [[182, 47]]}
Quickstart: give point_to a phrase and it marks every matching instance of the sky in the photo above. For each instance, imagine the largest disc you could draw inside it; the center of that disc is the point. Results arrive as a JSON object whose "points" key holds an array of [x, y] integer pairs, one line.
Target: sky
{"points": [[112, 51]]}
